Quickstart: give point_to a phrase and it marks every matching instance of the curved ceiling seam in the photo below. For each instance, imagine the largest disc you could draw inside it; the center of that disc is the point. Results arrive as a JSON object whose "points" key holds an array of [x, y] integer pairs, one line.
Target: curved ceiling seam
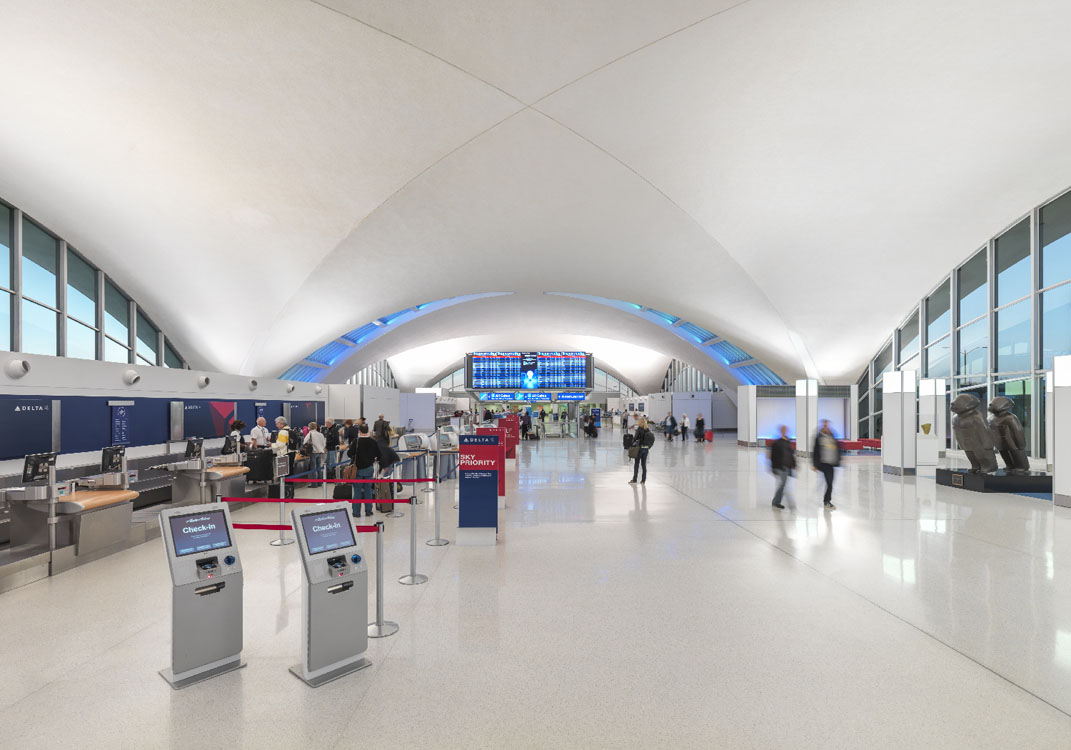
{"points": [[642, 47], [255, 346], [803, 359], [432, 55]]}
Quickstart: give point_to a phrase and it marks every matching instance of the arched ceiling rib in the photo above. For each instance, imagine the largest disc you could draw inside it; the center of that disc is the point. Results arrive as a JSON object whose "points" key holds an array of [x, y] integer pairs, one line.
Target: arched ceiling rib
{"points": [[765, 169]]}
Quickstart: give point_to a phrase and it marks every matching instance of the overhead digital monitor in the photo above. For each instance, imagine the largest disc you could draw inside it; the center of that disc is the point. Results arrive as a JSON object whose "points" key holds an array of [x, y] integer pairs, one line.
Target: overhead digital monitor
{"points": [[199, 532], [193, 448], [528, 370], [35, 468], [111, 459], [327, 531]]}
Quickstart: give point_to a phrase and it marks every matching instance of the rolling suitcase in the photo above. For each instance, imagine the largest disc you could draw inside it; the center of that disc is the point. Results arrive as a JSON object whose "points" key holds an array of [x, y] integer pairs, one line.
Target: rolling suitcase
{"points": [[384, 491]]}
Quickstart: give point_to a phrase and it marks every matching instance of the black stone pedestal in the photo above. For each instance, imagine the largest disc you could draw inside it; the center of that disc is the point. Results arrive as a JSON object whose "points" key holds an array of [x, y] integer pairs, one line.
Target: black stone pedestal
{"points": [[999, 481]]}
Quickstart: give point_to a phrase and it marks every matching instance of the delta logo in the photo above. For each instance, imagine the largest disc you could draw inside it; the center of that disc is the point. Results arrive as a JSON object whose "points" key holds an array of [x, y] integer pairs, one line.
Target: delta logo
{"points": [[30, 407]]}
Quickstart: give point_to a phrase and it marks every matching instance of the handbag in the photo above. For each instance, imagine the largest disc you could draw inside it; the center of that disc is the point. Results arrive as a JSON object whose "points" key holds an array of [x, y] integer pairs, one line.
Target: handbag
{"points": [[350, 472], [634, 452]]}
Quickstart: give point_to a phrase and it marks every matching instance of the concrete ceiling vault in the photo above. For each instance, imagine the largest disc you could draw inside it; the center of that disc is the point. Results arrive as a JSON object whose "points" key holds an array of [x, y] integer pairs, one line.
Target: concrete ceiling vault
{"points": [[791, 175]]}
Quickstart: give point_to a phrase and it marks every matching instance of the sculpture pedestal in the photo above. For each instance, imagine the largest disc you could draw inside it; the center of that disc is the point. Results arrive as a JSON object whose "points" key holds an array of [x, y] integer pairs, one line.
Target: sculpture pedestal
{"points": [[1034, 482]]}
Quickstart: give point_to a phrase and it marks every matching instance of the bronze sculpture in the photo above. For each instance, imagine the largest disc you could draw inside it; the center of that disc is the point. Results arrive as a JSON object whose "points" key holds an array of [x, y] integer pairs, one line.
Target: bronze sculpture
{"points": [[972, 434], [1008, 434]]}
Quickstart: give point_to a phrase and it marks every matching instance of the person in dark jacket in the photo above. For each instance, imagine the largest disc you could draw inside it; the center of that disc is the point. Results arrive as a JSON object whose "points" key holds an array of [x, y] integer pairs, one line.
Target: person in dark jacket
{"points": [[782, 462], [824, 458], [643, 439], [670, 426], [381, 431], [700, 428], [364, 452]]}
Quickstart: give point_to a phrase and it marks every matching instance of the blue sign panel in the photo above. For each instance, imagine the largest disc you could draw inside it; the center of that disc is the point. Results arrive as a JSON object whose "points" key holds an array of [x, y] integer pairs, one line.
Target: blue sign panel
{"points": [[596, 414], [572, 396], [121, 417], [537, 396], [501, 397], [27, 426], [479, 499]]}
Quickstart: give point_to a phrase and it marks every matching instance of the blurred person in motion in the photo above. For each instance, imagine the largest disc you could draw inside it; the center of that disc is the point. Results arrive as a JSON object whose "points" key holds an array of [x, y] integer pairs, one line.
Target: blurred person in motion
{"points": [[825, 457], [700, 428], [685, 424], [641, 445], [782, 462], [670, 426]]}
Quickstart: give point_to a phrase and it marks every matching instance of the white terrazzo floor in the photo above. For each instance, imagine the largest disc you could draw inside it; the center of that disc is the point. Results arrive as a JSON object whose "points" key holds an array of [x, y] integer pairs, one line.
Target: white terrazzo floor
{"points": [[685, 613]]}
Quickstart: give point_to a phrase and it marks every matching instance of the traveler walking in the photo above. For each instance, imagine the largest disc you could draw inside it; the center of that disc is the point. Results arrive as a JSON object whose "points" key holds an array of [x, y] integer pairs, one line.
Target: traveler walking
{"points": [[641, 445], [700, 428], [825, 457], [685, 424], [782, 462], [670, 426]]}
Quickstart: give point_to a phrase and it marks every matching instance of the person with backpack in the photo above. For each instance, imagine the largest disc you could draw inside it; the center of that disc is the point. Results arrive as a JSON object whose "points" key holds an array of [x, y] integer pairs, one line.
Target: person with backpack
{"points": [[643, 439], [782, 462], [670, 426]]}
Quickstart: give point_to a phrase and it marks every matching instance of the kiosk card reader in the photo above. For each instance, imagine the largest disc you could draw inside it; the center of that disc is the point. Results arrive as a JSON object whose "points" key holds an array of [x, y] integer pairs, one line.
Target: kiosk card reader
{"points": [[334, 598], [206, 595]]}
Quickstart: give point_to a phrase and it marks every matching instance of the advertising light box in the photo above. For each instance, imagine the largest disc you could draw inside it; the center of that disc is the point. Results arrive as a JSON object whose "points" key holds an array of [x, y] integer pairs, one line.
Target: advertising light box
{"points": [[572, 396]]}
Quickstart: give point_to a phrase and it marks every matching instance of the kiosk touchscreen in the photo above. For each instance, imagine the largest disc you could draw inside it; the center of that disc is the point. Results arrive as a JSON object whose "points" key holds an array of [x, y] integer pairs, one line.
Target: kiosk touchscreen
{"points": [[415, 442], [206, 593], [111, 459], [334, 596], [193, 448], [35, 468]]}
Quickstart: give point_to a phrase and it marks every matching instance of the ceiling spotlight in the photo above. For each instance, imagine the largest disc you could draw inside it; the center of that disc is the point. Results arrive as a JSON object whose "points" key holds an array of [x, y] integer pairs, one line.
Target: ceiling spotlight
{"points": [[16, 368], [131, 377], [319, 389], [203, 381], [289, 387], [252, 384]]}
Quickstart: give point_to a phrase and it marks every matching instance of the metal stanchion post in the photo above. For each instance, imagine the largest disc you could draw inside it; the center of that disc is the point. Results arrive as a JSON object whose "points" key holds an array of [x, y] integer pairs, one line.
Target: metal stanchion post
{"points": [[413, 578], [323, 486], [282, 540], [394, 512], [438, 541], [219, 498], [380, 628]]}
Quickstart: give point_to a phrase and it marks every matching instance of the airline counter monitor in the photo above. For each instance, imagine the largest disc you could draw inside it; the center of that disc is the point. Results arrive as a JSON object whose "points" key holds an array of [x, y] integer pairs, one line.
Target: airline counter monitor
{"points": [[334, 597], [206, 595]]}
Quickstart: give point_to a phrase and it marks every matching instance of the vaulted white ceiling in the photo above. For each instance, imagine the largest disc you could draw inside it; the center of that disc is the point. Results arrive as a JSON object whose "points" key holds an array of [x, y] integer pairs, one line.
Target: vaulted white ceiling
{"points": [[794, 175]]}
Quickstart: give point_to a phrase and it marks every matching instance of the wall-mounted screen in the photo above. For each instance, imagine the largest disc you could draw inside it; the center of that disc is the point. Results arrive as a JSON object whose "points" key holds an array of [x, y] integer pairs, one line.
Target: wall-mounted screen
{"points": [[208, 419], [111, 459], [327, 531], [528, 370], [193, 448], [199, 532]]}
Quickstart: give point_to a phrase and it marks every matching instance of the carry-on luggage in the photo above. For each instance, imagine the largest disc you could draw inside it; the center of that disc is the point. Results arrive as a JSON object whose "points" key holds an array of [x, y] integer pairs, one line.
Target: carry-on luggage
{"points": [[342, 492], [627, 440], [384, 491], [710, 435]]}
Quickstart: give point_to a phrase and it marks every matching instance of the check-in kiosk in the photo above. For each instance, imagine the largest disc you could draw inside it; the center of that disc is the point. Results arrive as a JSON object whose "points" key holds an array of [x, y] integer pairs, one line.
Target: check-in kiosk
{"points": [[206, 594], [334, 597], [197, 479]]}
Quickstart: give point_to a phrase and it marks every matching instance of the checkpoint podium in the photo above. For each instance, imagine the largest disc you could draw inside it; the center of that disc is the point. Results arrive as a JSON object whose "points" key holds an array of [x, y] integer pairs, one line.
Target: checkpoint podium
{"points": [[206, 595], [334, 595]]}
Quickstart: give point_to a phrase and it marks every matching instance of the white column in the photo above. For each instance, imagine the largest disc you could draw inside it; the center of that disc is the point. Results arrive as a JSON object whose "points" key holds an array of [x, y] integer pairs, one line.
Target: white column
{"points": [[898, 425], [1060, 447], [1048, 422], [853, 414], [806, 415], [747, 415]]}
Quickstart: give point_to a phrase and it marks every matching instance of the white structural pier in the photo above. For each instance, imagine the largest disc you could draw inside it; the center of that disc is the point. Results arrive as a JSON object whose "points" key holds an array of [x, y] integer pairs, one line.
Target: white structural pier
{"points": [[898, 435]]}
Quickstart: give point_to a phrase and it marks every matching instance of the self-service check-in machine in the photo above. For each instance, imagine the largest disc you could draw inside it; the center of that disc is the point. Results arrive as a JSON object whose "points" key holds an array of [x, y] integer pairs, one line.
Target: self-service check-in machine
{"points": [[334, 597], [206, 595]]}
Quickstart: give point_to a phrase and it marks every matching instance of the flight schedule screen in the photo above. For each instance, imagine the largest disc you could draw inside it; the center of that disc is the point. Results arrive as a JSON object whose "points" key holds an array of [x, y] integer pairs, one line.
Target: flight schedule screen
{"points": [[327, 531], [199, 532], [528, 370]]}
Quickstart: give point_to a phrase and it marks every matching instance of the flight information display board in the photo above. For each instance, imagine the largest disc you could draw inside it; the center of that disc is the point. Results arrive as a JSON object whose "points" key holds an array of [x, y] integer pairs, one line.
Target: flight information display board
{"points": [[528, 370]]}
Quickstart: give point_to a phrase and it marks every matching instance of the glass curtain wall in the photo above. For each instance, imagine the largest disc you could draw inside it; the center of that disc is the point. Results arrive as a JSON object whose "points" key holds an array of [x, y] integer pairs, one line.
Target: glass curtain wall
{"points": [[993, 325], [54, 302]]}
